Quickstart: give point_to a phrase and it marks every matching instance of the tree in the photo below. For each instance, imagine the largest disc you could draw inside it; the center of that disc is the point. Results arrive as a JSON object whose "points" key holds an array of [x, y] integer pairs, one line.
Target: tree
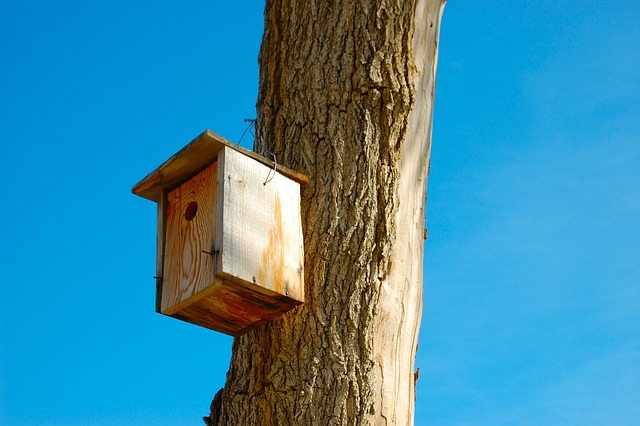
{"points": [[346, 97]]}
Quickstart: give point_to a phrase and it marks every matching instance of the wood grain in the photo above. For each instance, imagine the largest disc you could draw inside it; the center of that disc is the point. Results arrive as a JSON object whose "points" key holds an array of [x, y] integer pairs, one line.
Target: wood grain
{"points": [[232, 309], [261, 245], [193, 158], [187, 270]]}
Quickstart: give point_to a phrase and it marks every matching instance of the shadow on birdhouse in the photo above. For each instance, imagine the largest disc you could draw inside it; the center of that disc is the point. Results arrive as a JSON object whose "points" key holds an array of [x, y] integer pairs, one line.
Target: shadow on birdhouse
{"points": [[229, 249]]}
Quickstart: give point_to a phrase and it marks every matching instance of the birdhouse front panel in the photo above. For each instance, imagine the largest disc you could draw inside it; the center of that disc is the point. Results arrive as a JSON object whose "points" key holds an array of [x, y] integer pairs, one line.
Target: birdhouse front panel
{"points": [[190, 235], [230, 250]]}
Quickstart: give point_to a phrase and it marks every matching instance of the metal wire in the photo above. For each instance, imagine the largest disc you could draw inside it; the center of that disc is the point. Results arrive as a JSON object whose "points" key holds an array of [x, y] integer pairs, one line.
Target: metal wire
{"points": [[251, 129]]}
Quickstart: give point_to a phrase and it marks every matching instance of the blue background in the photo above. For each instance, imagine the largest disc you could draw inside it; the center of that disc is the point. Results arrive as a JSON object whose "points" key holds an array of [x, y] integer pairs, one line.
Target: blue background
{"points": [[532, 267]]}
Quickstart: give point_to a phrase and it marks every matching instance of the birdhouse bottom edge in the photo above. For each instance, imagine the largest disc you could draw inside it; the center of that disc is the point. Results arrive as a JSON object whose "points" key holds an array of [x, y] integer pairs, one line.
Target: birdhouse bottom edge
{"points": [[231, 308]]}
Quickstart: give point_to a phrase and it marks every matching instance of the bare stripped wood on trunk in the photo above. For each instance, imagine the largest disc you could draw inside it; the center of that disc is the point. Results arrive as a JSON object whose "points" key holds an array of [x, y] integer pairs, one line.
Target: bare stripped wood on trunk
{"points": [[346, 97]]}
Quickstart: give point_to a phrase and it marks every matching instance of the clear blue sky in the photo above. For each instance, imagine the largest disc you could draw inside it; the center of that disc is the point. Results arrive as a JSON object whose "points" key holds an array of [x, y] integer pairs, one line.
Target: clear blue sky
{"points": [[532, 270]]}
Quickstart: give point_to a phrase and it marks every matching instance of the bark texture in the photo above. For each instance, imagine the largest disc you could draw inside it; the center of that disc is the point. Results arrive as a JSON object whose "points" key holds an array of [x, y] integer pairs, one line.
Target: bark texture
{"points": [[346, 97]]}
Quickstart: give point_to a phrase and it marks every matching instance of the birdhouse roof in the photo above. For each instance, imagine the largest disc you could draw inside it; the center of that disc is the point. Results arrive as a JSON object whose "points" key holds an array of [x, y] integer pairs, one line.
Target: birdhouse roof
{"points": [[192, 159]]}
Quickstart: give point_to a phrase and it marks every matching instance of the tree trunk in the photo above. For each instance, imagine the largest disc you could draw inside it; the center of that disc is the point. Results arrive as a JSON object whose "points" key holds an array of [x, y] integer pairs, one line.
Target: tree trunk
{"points": [[346, 97]]}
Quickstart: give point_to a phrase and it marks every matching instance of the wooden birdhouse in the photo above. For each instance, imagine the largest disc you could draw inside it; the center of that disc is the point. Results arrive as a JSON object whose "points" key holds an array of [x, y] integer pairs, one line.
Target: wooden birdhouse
{"points": [[229, 246]]}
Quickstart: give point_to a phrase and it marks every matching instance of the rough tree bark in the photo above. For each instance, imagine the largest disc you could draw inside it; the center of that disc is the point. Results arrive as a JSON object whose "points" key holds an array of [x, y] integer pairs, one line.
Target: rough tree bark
{"points": [[346, 97]]}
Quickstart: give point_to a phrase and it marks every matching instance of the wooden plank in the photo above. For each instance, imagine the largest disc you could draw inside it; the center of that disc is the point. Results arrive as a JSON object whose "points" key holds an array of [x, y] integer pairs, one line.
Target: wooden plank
{"points": [[160, 246], [189, 261], [193, 158], [233, 309], [261, 244], [187, 162]]}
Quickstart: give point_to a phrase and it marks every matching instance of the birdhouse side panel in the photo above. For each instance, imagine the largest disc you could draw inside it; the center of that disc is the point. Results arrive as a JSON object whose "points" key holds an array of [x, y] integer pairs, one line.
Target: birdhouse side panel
{"points": [[261, 228], [189, 264]]}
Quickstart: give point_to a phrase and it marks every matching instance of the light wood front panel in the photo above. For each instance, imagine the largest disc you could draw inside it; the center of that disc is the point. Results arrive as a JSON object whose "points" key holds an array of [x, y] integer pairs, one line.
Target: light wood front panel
{"points": [[190, 230]]}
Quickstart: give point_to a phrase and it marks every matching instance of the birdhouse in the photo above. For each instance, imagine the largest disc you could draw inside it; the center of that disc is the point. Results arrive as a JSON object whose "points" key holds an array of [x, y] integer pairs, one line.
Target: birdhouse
{"points": [[229, 243]]}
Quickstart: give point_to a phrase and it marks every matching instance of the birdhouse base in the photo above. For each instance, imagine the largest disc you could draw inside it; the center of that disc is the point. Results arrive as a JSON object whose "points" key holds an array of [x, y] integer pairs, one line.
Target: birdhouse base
{"points": [[232, 308]]}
